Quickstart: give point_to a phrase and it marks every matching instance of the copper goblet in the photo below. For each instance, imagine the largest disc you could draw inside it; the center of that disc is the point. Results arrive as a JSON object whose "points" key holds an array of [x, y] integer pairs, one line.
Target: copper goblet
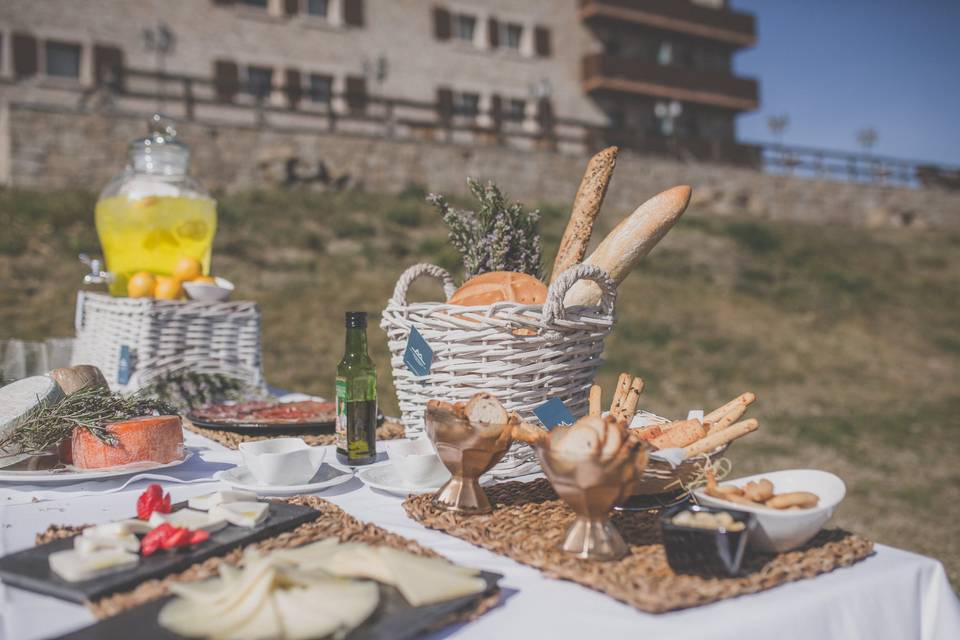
{"points": [[591, 487], [468, 451]]}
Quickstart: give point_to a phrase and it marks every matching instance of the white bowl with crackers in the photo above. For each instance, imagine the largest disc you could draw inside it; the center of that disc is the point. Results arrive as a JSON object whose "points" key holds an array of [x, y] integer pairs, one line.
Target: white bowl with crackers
{"points": [[791, 506]]}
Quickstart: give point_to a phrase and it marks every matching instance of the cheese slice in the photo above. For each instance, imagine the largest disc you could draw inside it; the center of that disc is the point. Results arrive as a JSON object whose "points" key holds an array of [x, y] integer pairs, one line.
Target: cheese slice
{"points": [[113, 535], [73, 566], [18, 402], [335, 607], [139, 527], [204, 503], [241, 514], [189, 518], [423, 581]]}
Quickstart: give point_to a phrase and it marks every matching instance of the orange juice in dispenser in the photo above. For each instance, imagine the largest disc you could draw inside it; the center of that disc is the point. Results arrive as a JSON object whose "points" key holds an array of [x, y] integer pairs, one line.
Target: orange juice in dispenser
{"points": [[154, 214]]}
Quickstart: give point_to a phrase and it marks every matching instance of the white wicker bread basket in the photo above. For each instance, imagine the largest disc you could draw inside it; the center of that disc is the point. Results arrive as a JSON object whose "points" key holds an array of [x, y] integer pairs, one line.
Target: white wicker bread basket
{"points": [[480, 348], [165, 335]]}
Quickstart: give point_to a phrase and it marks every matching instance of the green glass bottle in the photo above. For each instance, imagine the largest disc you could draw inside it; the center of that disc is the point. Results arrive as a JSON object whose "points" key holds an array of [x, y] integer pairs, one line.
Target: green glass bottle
{"points": [[356, 396]]}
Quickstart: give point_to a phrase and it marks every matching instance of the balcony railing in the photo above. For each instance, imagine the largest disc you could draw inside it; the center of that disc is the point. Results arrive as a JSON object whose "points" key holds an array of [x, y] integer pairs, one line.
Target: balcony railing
{"points": [[194, 98], [615, 73], [682, 16]]}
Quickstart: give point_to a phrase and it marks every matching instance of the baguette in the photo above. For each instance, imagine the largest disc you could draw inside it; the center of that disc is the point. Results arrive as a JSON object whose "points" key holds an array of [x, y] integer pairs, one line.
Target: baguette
{"points": [[680, 435], [586, 206], [632, 239], [715, 440], [483, 408], [743, 400], [595, 399]]}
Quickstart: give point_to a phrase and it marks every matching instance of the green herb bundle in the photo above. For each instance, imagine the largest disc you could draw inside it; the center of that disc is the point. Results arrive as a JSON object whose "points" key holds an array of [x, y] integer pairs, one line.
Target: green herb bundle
{"points": [[497, 237], [91, 408]]}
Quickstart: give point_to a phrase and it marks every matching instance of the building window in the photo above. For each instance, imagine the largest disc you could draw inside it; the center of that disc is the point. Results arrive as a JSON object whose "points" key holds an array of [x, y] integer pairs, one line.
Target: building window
{"points": [[464, 27], [611, 47], [321, 88], [259, 81], [319, 8], [259, 4], [62, 59], [511, 34], [466, 104], [516, 109], [665, 53]]}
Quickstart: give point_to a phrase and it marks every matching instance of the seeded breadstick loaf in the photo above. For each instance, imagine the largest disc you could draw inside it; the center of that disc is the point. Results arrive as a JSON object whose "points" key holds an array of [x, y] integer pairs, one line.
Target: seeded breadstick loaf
{"points": [[586, 206]]}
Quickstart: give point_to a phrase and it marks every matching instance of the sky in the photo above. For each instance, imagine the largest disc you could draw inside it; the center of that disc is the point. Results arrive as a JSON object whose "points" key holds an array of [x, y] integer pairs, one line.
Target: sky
{"points": [[838, 66]]}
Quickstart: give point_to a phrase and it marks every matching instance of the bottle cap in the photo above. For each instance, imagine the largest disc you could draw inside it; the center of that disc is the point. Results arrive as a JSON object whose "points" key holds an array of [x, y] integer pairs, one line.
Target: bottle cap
{"points": [[356, 319]]}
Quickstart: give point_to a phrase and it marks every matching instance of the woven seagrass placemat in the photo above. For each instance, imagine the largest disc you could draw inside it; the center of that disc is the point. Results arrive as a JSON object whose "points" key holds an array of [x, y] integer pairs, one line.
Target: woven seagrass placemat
{"points": [[331, 521], [529, 522], [389, 430]]}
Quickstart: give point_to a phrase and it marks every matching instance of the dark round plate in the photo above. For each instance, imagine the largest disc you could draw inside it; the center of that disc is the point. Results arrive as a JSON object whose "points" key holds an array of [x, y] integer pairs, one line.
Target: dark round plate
{"points": [[266, 428]]}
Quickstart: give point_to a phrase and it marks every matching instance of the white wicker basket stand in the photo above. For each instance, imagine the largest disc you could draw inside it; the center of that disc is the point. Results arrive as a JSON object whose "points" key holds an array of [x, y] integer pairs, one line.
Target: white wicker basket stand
{"points": [[522, 354], [165, 335]]}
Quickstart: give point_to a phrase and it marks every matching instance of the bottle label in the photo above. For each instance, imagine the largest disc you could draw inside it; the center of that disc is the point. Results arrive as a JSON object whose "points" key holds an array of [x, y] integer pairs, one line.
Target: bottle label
{"points": [[341, 426]]}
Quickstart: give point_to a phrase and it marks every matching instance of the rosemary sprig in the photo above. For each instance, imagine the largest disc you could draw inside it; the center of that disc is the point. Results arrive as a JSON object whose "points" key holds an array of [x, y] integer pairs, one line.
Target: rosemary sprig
{"points": [[91, 408]]}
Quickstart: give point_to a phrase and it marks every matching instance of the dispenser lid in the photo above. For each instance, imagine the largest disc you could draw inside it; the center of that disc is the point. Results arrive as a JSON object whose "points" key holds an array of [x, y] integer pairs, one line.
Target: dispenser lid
{"points": [[159, 152]]}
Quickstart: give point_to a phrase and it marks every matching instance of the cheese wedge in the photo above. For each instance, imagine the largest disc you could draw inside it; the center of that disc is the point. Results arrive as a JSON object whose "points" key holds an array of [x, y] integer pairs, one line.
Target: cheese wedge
{"points": [[73, 566], [204, 503], [189, 518], [18, 402], [241, 514]]}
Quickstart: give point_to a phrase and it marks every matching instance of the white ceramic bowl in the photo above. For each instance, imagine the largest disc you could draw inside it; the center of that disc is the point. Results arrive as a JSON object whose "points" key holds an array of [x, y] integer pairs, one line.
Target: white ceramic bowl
{"points": [[416, 461], [206, 292], [782, 530]]}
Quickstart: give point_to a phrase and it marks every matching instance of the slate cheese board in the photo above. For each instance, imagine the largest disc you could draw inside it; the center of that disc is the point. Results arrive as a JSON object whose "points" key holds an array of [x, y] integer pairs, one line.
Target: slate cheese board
{"points": [[30, 569], [394, 618]]}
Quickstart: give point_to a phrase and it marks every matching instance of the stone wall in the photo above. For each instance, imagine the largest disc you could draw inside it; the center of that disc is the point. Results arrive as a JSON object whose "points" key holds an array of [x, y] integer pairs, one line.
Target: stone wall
{"points": [[57, 148]]}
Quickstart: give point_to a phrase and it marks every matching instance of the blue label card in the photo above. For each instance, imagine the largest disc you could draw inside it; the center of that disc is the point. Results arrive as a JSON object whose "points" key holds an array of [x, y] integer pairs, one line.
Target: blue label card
{"points": [[123, 367], [418, 356], [553, 412]]}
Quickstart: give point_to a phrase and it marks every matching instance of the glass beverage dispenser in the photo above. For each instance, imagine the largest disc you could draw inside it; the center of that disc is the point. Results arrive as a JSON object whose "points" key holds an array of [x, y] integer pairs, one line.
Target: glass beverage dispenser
{"points": [[153, 214]]}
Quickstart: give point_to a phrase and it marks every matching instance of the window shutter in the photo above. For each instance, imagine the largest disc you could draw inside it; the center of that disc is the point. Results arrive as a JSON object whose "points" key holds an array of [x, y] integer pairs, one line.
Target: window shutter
{"points": [[108, 66], [444, 104], [496, 110], [493, 33], [353, 12], [291, 7], [441, 23], [541, 37], [226, 80], [356, 93], [24, 55], [545, 114], [292, 87]]}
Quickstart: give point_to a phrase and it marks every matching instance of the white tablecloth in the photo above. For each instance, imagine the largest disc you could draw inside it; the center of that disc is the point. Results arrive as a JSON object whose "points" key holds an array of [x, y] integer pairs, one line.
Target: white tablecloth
{"points": [[893, 594]]}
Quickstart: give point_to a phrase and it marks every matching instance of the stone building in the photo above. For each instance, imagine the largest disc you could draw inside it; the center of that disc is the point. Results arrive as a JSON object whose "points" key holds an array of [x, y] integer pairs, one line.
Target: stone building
{"points": [[566, 74]]}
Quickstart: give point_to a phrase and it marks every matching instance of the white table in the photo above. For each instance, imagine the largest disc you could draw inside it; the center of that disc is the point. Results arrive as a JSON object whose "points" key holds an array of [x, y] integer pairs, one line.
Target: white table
{"points": [[893, 594]]}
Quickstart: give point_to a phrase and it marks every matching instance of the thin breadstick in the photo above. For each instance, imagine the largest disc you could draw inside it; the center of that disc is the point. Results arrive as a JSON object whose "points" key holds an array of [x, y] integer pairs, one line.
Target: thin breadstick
{"points": [[711, 442], [678, 423], [629, 405], [649, 432], [744, 399], [735, 414], [680, 436], [623, 385], [595, 396]]}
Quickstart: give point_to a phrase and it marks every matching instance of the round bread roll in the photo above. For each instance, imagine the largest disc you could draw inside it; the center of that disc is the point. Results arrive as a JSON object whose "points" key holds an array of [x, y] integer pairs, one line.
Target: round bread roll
{"points": [[500, 286]]}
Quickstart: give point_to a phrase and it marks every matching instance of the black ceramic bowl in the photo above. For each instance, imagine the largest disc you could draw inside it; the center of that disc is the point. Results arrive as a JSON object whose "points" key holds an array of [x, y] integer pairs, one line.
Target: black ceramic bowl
{"points": [[707, 552]]}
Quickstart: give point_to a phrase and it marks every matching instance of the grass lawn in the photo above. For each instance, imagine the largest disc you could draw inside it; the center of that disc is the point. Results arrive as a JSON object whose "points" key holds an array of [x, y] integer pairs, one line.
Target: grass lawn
{"points": [[850, 337]]}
